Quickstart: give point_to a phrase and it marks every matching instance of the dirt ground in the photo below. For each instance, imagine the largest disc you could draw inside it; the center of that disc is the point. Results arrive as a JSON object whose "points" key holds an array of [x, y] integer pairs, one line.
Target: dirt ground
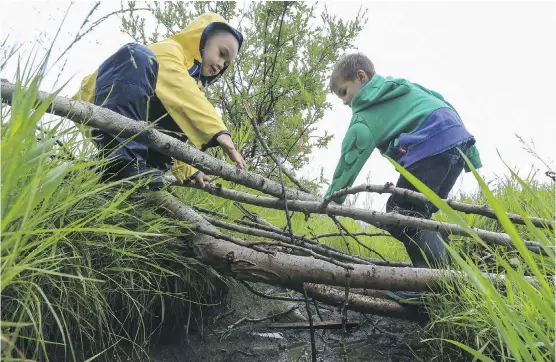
{"points": [[379, 339]]}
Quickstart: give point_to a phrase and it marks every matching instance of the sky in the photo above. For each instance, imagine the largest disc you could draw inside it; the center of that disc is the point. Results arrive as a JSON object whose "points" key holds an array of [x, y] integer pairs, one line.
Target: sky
{"points": [[494, 61]]}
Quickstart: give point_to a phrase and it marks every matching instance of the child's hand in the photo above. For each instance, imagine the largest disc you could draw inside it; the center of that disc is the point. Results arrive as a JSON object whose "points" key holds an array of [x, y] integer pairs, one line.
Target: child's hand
{"points": [[227, 145], [202, 179]]}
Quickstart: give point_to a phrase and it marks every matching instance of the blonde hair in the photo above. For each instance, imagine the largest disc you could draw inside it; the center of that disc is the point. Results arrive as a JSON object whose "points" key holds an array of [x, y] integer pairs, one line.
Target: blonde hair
{"points": [[347, 67]]}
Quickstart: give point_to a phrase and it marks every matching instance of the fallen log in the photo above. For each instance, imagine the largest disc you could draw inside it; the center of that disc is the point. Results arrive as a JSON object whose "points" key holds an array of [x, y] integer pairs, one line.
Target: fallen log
{"points": [[360, 303], [285, 269]]}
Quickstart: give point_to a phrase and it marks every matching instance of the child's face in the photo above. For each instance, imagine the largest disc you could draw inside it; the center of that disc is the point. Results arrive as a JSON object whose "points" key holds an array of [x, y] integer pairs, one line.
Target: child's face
{"points": [[220, 50], [347, 89]]}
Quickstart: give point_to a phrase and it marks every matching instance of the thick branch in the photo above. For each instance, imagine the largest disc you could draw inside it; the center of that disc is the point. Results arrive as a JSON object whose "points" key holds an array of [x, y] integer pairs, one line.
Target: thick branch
{"points": [[360, 303], [112, 122], [482, 210]]}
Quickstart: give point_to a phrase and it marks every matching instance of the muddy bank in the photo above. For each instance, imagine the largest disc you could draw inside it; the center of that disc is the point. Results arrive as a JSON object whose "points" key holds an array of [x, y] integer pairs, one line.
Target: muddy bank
{"points": [[373, 339]]}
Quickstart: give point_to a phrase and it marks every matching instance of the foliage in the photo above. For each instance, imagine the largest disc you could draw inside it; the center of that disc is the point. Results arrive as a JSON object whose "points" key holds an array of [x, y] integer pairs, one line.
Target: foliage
{"points": [[289, 48]]}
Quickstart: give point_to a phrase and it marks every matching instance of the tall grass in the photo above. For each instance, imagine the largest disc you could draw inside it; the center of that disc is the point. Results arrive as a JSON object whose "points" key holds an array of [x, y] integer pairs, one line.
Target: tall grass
{"points": [[86, 267], [514, 323]]}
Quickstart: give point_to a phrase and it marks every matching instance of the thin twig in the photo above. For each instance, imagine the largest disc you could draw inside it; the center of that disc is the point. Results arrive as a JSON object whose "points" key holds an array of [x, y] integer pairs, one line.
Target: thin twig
{"points": [[342, 227], [262, 295], [329, 235], [311, 328], [252, 245], [257, 320], [208, 211], [267, 149], [224, 315], [251, 215], [344, 317]]}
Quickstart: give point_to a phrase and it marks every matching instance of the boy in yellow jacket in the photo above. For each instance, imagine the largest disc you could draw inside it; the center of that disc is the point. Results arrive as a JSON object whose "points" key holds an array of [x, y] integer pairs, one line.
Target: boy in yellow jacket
{"points": [[163, 83]]}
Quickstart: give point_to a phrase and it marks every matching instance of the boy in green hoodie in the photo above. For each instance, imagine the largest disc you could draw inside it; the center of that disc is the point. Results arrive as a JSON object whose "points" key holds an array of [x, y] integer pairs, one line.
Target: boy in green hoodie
{"points": [[414, 126]]}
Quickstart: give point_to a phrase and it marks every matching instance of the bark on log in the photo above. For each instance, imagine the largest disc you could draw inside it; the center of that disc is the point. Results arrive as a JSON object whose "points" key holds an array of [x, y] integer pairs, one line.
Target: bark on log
{"points": [[86, 113]]}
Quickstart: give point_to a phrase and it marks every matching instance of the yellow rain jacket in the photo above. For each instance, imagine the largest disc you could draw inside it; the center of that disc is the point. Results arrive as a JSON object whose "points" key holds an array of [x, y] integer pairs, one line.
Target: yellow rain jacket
{"points": [[179, 85]]}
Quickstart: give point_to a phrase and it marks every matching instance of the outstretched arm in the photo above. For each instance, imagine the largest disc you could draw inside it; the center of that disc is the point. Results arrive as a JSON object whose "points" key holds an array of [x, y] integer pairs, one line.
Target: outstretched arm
{"points": [[357, 146]]}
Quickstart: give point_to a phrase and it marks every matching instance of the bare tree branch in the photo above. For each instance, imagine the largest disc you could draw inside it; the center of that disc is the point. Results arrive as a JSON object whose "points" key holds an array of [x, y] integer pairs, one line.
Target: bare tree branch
{"points": [[283, 240], [266, 148], [86, 113], [482, 210], [373, 217], [329, 235], [257, 320], [291, 270], [262, 295], [360, 303]]}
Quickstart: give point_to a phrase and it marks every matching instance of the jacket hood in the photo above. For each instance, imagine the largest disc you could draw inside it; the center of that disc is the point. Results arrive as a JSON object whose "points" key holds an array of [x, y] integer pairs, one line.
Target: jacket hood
{"points": [[378, 90], [194, 37]]}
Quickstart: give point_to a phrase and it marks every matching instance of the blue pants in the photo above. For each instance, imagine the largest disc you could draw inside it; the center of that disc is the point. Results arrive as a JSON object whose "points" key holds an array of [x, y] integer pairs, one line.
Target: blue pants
{"points": [[440, 173], [125, 84]]}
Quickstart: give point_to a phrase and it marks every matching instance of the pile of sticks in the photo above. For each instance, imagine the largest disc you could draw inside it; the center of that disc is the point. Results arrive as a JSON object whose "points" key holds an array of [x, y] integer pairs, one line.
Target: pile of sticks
{"points": [[297, 262]]}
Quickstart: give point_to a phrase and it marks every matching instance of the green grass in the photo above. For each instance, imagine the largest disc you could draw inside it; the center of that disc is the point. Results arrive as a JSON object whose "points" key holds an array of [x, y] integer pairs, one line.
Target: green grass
{"points": [[86, 267], [517, 322]]}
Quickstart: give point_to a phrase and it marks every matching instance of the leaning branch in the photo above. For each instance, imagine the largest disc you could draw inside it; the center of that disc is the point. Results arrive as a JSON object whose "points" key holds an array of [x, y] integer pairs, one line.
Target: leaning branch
{"points": [[482, 210], [371, 217], [88, 114]]}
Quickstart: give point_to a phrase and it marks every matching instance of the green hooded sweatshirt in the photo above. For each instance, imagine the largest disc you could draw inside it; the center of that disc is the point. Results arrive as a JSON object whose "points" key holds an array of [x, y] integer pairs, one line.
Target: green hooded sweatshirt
{"points": [[405, 121]]}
